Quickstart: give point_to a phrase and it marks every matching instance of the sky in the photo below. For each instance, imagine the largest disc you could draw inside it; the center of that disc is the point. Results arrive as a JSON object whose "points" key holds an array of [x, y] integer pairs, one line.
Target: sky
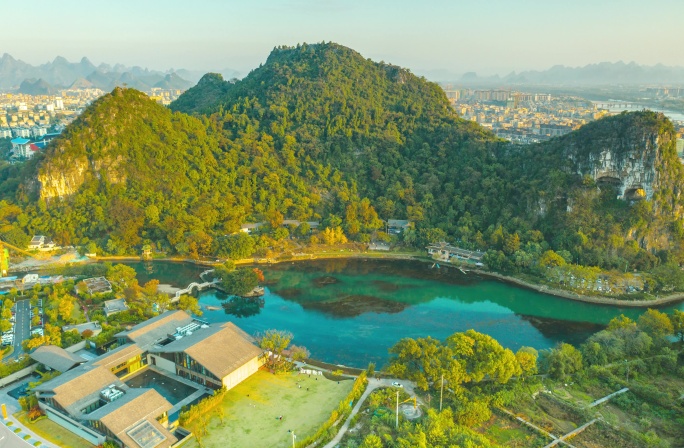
{"points": [[456, 36]]}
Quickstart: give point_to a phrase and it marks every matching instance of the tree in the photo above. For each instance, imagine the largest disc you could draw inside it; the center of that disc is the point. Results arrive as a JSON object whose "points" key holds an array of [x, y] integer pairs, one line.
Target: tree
{"points": [[299, 353], [563, 361], [655, 323], [150, 288], [237, 246], [66, 307], [511, 243], [527, 358], [162, 301], [189, 304], [122, 277], [275, 341], [621, 321], [551, 259], [5, 325], [239, 282], [677, 321]]}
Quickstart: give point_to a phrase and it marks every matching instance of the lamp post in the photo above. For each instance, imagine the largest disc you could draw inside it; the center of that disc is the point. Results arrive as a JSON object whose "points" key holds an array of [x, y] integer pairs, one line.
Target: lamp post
{"points": [[293, 439], [397, 422]]}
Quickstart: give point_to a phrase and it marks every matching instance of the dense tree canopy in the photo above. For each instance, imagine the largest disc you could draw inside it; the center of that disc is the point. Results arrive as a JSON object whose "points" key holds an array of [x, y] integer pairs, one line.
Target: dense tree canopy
{"points": [[321, 133]]}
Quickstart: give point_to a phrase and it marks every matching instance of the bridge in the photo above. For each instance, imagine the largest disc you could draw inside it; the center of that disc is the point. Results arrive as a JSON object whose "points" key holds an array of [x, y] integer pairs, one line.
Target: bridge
{"points": [[193, 285], [618, 105]]}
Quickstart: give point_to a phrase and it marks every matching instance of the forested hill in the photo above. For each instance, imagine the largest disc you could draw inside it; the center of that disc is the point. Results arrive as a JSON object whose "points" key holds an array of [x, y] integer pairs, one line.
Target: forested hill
{"points": [[204, 97], [320, 133]]}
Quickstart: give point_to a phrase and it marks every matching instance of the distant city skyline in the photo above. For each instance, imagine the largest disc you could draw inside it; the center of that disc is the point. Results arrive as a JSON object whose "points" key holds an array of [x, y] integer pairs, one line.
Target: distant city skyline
{"points": [[490, 37]]}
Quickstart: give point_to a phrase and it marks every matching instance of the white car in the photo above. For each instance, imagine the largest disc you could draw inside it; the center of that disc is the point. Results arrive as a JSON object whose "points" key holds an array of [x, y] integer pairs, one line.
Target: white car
{"points": [[396, 384]]}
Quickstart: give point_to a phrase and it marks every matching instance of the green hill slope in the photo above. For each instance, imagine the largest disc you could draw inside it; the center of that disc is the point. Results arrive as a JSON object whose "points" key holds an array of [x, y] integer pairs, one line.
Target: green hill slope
{"points": [[319, 132]]}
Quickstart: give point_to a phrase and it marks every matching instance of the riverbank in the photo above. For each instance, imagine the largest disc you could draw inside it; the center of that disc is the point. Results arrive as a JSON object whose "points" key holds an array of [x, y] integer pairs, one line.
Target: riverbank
{"points": [[660, 301], [543, 289]]}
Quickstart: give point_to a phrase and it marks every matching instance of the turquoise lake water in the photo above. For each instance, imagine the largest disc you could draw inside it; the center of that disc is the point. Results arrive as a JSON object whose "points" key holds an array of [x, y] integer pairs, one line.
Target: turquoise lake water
{"points": [[351, 311]]}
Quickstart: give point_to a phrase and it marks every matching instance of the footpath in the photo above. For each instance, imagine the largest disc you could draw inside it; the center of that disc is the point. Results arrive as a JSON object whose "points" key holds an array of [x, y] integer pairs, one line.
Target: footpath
{"points": [[372, 385]]}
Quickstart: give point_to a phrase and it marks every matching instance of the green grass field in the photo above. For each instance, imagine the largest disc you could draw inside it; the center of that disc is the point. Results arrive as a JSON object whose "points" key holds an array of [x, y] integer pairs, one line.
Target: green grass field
{"points": [[54, 433], [252, 409]]}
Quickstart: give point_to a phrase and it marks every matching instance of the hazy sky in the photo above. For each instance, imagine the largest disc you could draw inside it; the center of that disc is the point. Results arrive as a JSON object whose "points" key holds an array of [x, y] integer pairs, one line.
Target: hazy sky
{"points": [[487, 36]]}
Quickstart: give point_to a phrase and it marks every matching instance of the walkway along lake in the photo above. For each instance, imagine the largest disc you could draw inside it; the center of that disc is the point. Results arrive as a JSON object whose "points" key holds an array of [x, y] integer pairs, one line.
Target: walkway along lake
{"points": [[350, 311]]}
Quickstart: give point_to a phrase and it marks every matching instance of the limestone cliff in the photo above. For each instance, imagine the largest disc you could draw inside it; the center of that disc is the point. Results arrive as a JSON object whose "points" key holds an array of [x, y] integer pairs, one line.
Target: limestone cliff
{"points": [[124, 136], [624, 154]]}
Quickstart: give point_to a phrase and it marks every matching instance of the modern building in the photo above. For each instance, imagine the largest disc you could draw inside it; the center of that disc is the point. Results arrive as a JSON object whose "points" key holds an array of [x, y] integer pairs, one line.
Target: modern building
{"points": [[214, 356], [21, 147], [94, 400]]}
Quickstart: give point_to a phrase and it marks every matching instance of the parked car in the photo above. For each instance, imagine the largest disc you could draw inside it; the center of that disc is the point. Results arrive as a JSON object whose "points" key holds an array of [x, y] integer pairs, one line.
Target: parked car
{"points": [[396, 384]]}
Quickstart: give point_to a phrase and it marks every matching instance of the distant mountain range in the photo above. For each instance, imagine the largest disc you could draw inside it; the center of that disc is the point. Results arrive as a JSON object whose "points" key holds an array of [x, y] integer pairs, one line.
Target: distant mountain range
{"points": [[604, 73], [50, 77]]}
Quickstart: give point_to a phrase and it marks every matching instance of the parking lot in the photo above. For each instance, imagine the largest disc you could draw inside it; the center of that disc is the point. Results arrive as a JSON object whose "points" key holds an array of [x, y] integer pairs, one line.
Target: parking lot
{"points": [[22, 325]]}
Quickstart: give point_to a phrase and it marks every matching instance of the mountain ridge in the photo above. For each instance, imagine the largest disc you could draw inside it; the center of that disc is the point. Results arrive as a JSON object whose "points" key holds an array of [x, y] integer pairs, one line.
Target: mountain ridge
{"points": [[320, 132]]}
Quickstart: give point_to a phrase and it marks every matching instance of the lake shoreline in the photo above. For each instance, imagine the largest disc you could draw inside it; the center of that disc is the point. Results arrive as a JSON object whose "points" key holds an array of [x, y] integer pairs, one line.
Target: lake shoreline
{"points": [[543, 289]]}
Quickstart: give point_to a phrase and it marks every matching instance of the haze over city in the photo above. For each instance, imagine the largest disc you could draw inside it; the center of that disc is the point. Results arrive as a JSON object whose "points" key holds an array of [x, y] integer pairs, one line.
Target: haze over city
{"points": [[493, 37]]}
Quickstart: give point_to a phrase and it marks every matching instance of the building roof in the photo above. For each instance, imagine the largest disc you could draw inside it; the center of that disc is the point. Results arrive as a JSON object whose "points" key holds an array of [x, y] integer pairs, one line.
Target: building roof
{"points": [[93, 326], [147, 333], [97, 285], [20, 141], [56, 358], [134, 408], [117, 356], [115, 306], [220, 349], [75, 389]]}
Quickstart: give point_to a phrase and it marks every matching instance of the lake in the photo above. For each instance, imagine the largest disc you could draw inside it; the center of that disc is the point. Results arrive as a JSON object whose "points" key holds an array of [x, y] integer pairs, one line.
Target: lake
{"points": [[350, 311]]}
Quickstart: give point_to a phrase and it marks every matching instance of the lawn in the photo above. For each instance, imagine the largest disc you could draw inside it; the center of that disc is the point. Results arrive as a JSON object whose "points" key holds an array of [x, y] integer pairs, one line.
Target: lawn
{"points": [[252, 409], [54, 433]]}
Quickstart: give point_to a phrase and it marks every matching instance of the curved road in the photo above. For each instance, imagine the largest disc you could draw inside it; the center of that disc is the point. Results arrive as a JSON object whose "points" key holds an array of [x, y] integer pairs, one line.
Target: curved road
{"points": [[372, 385]]}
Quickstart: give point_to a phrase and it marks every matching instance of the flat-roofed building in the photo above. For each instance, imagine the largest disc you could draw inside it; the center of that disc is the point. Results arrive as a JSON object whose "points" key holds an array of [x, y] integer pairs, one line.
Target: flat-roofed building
{"points": [[115, 306], [97, 285]]}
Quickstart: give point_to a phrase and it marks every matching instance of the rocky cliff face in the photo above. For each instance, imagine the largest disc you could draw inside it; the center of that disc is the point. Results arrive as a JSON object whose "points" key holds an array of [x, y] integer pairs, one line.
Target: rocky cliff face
{"points": [[58, 180], [634, 154]]}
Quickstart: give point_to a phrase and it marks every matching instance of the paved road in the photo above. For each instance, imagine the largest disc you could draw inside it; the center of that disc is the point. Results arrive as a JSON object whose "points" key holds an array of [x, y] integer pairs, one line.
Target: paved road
{"points": [[8, 439], [22, 325], [372, 385]]}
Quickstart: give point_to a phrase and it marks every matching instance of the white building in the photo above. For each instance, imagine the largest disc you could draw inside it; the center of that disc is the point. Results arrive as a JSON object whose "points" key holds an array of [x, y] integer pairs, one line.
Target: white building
{"points": [[38, 131], [21, 132]]}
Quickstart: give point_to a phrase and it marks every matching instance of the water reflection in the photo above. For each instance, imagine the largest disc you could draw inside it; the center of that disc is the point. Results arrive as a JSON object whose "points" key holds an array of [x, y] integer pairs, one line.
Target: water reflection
{"points": [[242, 306]]}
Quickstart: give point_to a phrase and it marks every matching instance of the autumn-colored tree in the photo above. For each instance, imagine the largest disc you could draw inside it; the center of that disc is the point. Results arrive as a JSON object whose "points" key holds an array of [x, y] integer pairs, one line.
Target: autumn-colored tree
{"points": [[655, 323], [66, 307], [189, 304]]}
